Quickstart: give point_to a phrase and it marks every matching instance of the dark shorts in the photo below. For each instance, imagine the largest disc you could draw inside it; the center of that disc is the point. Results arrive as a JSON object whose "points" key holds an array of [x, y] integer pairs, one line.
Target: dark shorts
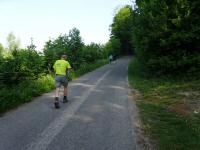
{"points": [[61, 80]]}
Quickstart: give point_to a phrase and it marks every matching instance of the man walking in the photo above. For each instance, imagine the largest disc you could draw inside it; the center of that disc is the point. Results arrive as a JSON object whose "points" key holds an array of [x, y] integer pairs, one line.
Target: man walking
{"points": [[110, 58], [61, 68]]}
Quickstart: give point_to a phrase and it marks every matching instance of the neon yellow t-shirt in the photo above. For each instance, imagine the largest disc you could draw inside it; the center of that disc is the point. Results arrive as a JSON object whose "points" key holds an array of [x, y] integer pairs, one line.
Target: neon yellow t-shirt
{"points": [[61, 66]]}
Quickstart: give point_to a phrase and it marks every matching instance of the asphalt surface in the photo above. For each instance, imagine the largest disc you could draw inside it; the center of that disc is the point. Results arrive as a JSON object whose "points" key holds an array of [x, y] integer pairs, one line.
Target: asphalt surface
{"points": [[98, 116]]}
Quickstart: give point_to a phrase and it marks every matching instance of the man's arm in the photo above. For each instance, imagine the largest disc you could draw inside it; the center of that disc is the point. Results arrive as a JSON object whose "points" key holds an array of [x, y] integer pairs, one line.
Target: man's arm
{"points": [[54, 66], [68, 70]]}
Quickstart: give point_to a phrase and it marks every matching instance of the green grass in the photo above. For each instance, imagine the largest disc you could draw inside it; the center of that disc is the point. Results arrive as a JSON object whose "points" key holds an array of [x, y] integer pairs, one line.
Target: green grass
{"points": [[169, 109], [11, 97]]}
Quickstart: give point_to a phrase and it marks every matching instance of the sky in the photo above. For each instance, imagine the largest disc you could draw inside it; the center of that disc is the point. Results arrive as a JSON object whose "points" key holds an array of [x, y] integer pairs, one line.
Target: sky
{"points": [[44, 19]]}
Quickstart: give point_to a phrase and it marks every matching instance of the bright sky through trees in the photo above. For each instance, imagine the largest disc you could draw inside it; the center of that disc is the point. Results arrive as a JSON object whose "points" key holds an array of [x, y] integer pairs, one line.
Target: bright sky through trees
{"points": [[42, 19]]}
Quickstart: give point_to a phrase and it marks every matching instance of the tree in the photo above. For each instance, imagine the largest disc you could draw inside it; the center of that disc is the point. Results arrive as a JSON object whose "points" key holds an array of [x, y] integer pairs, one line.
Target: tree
{"points": [[122, 29], [1, 51], [25, 64], [92, 53], [13, 42], [75, 45], [70, 44], [113, 46], [31, 46], [166, 35], [53, 50]]}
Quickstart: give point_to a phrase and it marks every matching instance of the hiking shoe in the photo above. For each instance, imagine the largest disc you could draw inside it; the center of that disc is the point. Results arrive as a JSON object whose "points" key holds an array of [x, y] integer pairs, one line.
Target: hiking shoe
{"points": [[57, 105], [65, 100]]}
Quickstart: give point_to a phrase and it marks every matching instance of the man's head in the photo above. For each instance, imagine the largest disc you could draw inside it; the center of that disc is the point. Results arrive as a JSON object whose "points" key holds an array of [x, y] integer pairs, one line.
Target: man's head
{"points": [[64, 57]]}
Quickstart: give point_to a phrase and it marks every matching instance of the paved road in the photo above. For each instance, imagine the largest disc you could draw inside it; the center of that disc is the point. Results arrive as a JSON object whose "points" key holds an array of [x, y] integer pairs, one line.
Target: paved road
{"points": [[98, 116]]}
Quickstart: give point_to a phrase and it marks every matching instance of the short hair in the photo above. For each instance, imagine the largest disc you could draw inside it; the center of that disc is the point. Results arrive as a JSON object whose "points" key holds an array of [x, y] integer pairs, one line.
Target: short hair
{"points": [[64, 56]]}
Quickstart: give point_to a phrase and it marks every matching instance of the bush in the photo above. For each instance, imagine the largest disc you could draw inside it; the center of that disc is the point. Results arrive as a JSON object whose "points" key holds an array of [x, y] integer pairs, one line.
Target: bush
{"points": [[166, 35], [23, 64], [92, 52], [24, 92]]}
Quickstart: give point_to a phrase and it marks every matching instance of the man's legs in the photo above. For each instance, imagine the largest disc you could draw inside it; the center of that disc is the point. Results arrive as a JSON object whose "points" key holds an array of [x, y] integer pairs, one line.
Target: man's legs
{"points": [[57, 97], [65, 100], [58, 84], [57, 92], [61, 81], [65, 91]]}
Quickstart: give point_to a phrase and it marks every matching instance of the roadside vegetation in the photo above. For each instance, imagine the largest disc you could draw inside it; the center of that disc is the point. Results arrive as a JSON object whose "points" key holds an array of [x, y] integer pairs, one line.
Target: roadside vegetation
{"points": [[164, 38], [169, 109], [27, 73]]}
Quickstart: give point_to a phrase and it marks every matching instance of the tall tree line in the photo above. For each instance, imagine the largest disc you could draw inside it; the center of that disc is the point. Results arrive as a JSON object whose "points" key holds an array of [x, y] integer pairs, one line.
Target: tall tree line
{"points": [[163, 34], [72, 44], [18, 65]]}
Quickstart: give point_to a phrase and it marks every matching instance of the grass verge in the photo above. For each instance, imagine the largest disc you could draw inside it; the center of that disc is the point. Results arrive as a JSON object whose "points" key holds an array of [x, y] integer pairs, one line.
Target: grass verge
{"points": [[169, 109]]}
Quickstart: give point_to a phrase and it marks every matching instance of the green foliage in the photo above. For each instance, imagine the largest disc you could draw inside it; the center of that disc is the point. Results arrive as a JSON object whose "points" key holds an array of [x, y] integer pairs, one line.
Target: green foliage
{"points": [[1, 50], [1, 53], [169, 109], [72, 45], [22, 70], [11, 97], [53, 50], [166, 35], [75, 45], [24, 92], [85, 68], [113, 46], [92, 52], [122, 29], [166, 71], [24, 64]]}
